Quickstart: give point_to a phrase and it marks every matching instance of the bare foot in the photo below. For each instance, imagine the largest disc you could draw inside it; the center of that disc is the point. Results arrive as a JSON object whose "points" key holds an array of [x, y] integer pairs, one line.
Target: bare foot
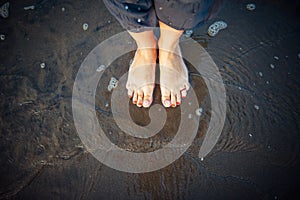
{"points": [[174, 82], [141, 77]]}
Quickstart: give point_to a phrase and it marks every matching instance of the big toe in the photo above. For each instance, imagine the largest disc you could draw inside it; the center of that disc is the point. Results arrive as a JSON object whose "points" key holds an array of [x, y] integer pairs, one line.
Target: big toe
{"points": [[148, 92], [165, 97], [147, 101]]}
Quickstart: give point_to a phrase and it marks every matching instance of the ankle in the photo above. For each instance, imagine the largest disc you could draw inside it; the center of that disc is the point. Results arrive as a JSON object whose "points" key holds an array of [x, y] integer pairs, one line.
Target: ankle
{"points": [[168, 45]]}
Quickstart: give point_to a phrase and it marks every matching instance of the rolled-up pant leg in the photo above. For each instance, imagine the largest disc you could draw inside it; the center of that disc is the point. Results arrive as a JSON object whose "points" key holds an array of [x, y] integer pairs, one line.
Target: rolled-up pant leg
{"points": [[138, 15], [133, 15], [186, 14]]}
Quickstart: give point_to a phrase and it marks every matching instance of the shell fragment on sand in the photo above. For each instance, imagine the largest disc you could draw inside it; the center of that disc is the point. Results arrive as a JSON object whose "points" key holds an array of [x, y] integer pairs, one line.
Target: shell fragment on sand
{"points": [[188, 33], [100, 68], [85, 26], [29, 7], [272, 66], [113, 83], [251, 6], [4, 10], [199, 111], [2, 37], [214, 29], [43, 65]]}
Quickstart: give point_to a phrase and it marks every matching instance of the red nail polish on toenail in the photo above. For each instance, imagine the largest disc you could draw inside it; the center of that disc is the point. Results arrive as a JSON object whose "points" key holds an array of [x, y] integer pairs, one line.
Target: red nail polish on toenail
{"points": [[134, 102], [177, 103], [173, 105]]}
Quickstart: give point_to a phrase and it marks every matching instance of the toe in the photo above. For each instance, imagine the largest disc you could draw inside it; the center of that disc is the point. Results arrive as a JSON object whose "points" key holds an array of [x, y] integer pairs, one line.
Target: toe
{"points": [[166, 101], [178, 98], [183, 93], [165, 97], [147, 101], [130, 92], [147, 97], [135, 98], [140, 99], [173, 100]]}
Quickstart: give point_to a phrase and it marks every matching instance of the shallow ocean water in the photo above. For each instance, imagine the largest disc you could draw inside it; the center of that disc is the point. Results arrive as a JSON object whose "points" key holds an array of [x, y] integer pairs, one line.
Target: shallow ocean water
{"points": [[256, 156]]}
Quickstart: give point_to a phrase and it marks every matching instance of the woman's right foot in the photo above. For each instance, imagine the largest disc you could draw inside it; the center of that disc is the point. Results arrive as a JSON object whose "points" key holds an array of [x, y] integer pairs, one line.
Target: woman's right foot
{"points": [[141, 77]]}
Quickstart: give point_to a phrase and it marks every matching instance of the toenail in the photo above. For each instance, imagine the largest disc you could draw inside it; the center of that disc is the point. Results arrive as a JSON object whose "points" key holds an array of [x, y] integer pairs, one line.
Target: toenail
{"points": [[177, 103], [173, 105], [146, 102], [167, 103], [134, 102]]}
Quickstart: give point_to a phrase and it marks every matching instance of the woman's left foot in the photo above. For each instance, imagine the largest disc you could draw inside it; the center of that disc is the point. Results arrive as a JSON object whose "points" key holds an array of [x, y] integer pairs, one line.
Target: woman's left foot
{"points": [[174, 82]]}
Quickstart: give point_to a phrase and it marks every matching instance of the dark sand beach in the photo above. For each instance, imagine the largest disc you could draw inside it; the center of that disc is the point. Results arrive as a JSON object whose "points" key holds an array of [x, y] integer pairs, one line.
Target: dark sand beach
{"points": [[42, 156]]}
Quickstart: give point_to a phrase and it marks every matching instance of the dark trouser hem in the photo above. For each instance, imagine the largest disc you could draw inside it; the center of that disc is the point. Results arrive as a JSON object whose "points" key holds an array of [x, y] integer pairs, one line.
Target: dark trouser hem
{"points": [[141, 15]]}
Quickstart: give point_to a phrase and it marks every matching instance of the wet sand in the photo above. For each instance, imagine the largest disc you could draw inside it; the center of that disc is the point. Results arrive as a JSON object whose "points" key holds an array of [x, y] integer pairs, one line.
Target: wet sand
{"points": [[42, 157]]}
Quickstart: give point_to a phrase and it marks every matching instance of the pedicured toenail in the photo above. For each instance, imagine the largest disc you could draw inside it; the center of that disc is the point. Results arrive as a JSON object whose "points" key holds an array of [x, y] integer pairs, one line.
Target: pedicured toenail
{"points": [[146, 103], [167, 103]]}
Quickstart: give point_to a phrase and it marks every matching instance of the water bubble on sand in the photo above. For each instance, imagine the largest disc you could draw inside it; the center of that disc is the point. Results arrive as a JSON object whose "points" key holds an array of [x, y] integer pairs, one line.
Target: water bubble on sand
{"points": [[4, 10], [85, 26], [239, 88], [251, 6], [43, 65], [199, 111], [256, 107], [100, 68], [126, 7], [276, 57], [29, 7], [272, 66], [106, 105], [113, 83], [2, 37], [250, 135], [188, 33], [267, 82], [63, 9], [216, 27], [202, 159], [260, 74]]}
